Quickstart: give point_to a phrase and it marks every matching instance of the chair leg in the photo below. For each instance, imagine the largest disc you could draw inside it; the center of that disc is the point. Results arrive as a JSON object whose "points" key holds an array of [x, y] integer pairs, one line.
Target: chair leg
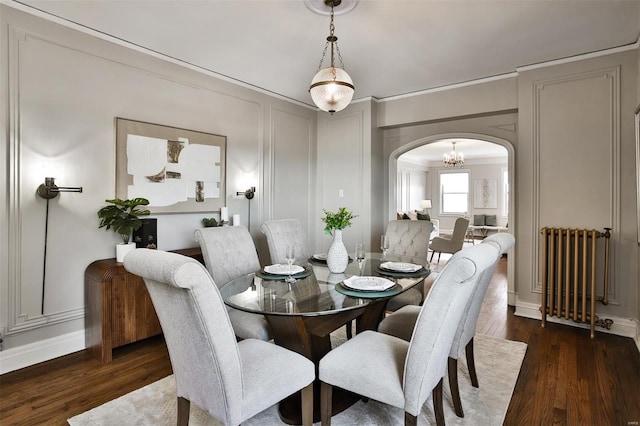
{"points": [[307, 405], [471, 363], [349, 330], [325, 403], [439, 253], [432, 253], [410, 420], [183, 411], [437, 404], [453, 385]]}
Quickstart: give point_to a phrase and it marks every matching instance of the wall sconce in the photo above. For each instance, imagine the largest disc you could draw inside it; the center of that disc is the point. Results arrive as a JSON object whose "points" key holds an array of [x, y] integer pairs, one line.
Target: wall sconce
{"points": [[49, 189], [249, 193]]}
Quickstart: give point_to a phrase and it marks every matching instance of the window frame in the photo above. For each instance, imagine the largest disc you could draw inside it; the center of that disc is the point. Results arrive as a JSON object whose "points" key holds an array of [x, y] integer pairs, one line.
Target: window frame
{"points": [[441, 193]]}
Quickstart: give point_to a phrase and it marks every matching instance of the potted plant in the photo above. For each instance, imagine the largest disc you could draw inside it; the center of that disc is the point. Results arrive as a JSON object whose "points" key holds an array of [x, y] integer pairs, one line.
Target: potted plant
{"points": [[123, 216], [337, 256], [211, 222]]}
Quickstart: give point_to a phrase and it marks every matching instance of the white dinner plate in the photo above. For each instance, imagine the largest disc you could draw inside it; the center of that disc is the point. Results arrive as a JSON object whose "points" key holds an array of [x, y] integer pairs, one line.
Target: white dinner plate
{"points": [[320, 256], [400, 266], [368, 283], [279, 269]]}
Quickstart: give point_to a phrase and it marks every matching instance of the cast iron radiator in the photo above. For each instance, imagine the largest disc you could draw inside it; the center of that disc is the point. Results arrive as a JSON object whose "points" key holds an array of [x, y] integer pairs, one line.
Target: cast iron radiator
{"points": [[568, 271]]}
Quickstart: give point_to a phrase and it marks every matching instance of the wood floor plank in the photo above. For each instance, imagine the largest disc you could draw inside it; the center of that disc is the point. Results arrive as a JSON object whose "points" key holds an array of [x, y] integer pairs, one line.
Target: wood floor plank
{"points": [[566, 378]]}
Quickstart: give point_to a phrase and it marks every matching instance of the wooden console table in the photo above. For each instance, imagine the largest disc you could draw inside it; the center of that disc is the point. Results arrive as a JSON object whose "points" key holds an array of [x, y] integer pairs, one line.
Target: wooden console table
{"points": [[118, 309]]}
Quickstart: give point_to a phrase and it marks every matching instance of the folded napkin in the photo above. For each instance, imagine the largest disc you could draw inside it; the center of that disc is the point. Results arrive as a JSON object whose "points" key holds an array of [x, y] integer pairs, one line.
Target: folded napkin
{"points": [[401, 266]]}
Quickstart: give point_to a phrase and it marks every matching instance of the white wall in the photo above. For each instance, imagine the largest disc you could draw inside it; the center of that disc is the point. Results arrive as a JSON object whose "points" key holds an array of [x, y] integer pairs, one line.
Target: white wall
{"points": [[413, 185], [62, 90]]}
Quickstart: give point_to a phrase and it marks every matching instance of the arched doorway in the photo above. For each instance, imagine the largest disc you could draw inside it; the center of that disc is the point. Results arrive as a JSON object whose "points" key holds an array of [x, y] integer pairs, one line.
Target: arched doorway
{"points": [[394, 193]]}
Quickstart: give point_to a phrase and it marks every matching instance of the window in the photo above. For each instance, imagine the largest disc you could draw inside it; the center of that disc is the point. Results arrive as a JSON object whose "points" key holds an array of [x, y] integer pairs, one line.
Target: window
{"points": [[505, 192], [454, 192]]}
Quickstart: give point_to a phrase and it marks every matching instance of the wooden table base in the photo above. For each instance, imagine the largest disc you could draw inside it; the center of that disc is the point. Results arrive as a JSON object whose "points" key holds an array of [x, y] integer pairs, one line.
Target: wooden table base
{"points": [[289, 408], [309, 336]]}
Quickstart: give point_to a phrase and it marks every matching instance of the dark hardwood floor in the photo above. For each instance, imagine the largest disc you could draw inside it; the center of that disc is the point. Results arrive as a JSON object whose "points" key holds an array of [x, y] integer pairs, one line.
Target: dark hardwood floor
{"points": [[566, 377]]}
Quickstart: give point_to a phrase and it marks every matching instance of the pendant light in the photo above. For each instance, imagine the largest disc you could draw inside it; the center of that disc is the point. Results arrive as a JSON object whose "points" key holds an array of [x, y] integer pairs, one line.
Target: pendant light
{"points": [[332, 88]]}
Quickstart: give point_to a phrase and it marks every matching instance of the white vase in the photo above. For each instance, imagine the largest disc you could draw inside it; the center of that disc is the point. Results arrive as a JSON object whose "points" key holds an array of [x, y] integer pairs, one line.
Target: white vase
{"points": [[122, 250], [337, 257]]}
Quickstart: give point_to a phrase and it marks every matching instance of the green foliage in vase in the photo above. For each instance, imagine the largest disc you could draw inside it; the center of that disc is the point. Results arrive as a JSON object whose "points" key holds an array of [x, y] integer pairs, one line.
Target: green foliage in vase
{"points": [[123, 216], [211, 222], [339, 220]]}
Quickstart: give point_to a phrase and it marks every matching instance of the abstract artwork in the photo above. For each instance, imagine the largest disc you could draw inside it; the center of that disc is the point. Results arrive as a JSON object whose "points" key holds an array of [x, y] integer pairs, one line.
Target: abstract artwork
{"points": [[485, 194], [177, 170]]}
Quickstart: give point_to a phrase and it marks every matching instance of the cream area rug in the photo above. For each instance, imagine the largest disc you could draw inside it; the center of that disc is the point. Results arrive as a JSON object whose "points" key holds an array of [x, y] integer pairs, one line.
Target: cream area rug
{"points": [[498, 363]]}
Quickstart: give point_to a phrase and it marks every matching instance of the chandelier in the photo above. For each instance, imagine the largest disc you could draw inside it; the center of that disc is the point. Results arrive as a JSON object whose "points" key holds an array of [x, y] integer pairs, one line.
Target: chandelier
{"points": [[331, 88], [453, 158]]}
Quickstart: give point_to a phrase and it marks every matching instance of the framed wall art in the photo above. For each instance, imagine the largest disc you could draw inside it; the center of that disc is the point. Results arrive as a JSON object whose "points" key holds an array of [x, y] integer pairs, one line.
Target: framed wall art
{"points": [[485, 194], [177, 170]]}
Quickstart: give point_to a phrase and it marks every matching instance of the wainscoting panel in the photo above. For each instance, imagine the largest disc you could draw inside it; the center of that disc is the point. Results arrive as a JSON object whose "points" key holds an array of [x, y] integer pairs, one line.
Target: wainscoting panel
{"points": [[576, 157]]}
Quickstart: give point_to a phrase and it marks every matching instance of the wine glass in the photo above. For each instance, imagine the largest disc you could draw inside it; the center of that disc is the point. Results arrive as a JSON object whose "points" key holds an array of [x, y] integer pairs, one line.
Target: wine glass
{"points": [[360, 255], [384, 245], [290, 256]]}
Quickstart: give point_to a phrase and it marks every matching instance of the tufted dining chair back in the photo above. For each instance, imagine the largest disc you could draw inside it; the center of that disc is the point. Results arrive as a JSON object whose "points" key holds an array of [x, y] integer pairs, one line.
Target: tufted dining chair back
{"points": [[228, 252], [223, 377], [409, 239], [282, 233]]}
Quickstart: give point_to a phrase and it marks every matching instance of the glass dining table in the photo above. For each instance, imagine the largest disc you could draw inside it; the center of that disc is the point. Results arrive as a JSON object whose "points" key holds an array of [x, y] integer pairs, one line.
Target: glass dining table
{"points": [[303, 313]]}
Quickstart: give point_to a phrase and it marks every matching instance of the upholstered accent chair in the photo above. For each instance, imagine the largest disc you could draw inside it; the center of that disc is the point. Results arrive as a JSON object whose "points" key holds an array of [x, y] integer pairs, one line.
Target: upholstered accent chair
{"points": [[232, 381], [282, 233], [452, 244], [408, 239], [402, 322], [229, 253], [400, 373]]}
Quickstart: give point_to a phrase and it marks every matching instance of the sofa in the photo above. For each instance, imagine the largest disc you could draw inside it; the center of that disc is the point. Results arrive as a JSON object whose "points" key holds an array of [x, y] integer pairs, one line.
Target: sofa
{"points": [[418, 215], [484, 223]]}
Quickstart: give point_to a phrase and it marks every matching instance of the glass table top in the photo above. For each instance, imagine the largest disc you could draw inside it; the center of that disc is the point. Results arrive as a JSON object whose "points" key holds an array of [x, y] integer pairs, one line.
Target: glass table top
{"points": [[318, 293]]}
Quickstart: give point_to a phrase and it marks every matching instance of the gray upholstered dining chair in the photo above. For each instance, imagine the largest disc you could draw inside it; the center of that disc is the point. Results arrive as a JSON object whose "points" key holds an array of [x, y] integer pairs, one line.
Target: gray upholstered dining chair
{"points": [[450, 244], [400, 373], [281, 233], [402, 322], [229, 253], [232, 381], [408, 239]]}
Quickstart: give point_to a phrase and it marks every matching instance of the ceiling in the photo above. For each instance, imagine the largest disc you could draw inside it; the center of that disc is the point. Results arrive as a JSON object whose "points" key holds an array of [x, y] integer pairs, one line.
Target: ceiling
{"points": [[472, 149], [389, 47]]}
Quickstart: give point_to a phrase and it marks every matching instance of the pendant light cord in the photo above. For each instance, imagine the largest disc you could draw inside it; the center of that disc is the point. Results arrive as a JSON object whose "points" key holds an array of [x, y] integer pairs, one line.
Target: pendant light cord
{"points": [[44, 263]]}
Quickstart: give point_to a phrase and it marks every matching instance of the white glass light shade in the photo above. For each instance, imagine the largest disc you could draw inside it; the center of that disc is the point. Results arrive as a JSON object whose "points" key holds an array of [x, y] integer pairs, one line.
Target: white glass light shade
{"points": [[425, 204], [331, 89]]}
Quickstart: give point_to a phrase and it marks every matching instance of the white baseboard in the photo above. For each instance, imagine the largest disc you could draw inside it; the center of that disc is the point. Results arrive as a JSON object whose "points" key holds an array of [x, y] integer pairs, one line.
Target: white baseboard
{"points": [[627, 327], [34, 353]]}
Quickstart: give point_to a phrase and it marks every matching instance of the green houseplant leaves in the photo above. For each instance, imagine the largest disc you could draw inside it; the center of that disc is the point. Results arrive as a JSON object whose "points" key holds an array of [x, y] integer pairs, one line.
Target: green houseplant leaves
{"points": [[339, 220], [123, 216]]}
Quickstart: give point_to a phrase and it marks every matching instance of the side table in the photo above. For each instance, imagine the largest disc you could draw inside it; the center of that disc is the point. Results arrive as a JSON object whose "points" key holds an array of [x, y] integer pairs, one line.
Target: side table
{"points": [[118, 309]]}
